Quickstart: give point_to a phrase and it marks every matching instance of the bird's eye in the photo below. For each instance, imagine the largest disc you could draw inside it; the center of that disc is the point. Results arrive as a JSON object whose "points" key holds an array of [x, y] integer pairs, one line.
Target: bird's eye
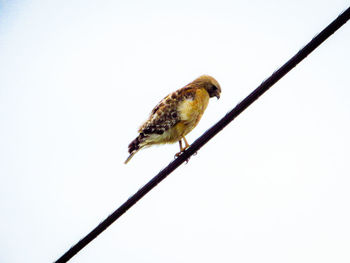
{"points": [[215, 88]]}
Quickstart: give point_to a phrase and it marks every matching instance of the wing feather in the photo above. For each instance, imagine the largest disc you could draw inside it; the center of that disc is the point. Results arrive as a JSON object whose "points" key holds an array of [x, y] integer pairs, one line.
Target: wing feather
{"points": [[165, 114]]}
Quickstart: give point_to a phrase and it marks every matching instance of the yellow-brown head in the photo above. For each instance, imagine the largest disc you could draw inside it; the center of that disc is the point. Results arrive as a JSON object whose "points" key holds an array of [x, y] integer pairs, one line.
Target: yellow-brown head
{"points": [[209, 84]]}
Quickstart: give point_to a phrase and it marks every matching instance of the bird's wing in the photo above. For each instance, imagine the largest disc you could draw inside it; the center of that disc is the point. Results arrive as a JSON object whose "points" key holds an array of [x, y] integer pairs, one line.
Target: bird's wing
{"points": [[165, 115]]}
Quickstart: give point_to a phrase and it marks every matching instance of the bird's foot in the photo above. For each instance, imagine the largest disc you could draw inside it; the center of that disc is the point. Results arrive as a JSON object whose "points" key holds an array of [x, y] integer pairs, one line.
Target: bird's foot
{"points": [[178, 154]]}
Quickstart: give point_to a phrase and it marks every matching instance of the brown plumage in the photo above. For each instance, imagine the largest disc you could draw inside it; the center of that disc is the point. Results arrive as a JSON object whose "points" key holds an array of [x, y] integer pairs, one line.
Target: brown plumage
{"points": [[176, 115]]}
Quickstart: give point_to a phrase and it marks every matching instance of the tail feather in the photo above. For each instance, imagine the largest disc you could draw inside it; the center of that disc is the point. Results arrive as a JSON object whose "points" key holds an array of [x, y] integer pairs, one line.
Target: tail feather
{"points": [[130, 156], [134, 147]]}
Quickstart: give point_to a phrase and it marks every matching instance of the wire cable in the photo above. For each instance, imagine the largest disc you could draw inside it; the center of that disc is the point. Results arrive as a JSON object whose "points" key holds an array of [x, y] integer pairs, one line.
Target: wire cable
{"points": [[210, 133]]}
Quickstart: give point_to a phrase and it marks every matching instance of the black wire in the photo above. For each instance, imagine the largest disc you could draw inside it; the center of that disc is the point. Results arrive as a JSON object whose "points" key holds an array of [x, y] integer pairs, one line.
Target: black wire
{"points": [[210, 133]]}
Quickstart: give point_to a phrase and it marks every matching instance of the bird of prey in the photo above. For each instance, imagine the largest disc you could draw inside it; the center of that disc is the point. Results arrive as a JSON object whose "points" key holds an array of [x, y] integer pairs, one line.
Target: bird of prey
{"points": [[176, 115]]}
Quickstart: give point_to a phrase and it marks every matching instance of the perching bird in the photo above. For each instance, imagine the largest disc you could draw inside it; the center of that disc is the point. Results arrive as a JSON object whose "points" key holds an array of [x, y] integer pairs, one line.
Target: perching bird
{"points": [[176, 115]]}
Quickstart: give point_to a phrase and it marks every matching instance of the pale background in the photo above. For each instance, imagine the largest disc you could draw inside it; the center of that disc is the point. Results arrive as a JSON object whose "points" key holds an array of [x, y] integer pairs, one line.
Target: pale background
{"points": [[77, 79]]}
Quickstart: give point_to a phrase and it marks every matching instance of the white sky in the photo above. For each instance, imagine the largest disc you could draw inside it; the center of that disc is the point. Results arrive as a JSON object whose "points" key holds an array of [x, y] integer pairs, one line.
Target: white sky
{"points": [[77, 79]]}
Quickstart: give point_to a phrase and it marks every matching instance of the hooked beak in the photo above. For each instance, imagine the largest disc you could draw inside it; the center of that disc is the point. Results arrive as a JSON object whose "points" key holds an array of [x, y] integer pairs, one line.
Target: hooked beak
{"points": [[217, 96]]}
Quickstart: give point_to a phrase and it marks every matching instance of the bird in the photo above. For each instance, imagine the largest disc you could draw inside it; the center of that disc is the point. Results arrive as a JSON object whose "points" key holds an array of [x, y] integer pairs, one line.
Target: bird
{"points": [[176, 115]]}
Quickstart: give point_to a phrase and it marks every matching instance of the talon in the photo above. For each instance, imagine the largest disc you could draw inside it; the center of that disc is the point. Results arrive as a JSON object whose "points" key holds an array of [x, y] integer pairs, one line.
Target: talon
{"points": [[177, 154]]}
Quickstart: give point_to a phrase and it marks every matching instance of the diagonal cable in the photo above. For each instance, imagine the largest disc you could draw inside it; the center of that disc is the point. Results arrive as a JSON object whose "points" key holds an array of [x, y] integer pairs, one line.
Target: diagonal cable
{"points": [[210, 133]]}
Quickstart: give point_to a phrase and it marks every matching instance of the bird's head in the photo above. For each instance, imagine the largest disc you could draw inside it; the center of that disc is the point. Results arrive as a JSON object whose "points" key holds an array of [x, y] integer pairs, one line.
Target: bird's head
{"points": [[210, 84]]}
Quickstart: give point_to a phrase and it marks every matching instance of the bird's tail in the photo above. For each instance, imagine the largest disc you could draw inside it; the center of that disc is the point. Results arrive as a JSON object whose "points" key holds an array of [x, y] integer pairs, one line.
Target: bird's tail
{"points": [[134, 147]]}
